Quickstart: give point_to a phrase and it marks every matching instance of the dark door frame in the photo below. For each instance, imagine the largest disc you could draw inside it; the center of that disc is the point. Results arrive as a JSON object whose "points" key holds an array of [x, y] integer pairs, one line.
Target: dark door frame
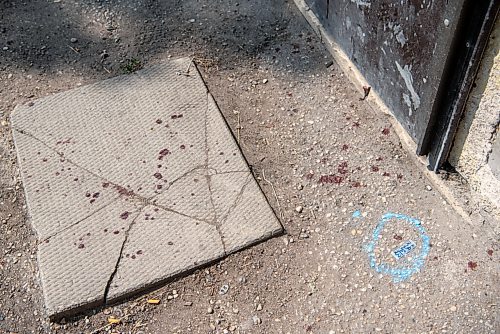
{"points": [[476, 23]]}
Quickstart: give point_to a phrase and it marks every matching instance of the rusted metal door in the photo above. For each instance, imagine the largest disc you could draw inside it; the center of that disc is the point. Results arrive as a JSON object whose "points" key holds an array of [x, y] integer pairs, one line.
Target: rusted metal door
{"points": [[407, 51]]}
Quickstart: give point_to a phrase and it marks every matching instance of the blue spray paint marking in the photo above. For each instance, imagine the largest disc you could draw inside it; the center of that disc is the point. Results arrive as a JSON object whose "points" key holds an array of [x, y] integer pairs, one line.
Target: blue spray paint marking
{"points": [[404, 249], [356, 214], [398, 274]]}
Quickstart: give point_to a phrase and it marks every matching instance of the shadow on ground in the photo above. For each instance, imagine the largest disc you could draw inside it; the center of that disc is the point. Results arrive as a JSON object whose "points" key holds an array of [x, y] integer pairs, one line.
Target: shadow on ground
{"points": [[96, 37]]}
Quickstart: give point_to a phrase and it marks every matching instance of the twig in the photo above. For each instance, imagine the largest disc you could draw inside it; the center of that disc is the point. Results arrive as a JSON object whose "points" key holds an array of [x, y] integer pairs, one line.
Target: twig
{"points": [[72, 48], [366, 90], [274, 191], [109, 72]]}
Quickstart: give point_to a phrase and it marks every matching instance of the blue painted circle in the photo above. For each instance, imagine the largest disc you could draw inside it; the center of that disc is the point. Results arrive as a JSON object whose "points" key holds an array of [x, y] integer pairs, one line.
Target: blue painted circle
{"points": [[398, 274]]}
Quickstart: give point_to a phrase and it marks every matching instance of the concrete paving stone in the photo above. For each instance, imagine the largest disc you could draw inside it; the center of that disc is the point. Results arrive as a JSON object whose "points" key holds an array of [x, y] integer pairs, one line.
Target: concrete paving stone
{"points": [[152, 142], [245, 221], [223, 152], [226, 190], [190, 195], [76, 264], [132, 113], [58, 193], [160, 245]]}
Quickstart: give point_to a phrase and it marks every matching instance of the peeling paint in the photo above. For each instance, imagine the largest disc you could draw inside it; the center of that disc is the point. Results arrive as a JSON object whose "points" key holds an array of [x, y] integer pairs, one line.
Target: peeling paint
{"points": [[361, 34], [398, 32], [408, 78], [375, 34], [400, 37], [362, 3], [348, 23], [407, 100]]}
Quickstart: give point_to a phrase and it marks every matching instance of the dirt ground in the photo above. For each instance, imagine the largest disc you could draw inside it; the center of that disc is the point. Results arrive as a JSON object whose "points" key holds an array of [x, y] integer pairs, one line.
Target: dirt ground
{"points": [[318, 152]]}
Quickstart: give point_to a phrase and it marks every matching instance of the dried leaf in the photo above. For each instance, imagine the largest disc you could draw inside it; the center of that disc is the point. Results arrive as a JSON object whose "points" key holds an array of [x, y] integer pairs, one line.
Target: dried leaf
{"points": [[113, 320]]}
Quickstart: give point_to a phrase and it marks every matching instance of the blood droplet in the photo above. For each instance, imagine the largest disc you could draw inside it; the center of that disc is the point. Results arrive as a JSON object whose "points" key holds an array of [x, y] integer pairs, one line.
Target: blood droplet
{"points": [[472, 265]]}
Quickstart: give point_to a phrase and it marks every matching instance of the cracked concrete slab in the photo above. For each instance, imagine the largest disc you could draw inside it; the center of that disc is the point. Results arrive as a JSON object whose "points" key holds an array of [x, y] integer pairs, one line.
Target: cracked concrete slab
{"points": [[160, 245], [132, 181]]}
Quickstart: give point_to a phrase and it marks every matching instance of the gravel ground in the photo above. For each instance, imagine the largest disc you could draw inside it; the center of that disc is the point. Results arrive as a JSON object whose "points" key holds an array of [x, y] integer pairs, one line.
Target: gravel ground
{"points": [[319, 153]]}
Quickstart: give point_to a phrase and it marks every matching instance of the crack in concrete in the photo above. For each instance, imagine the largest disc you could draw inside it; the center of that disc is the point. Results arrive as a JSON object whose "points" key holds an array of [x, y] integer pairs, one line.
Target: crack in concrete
{"points": [[78, 221], [208, 177], [217, 224], [151, 200], [180, 213], [141, 204], [120, 255], [171, 183], [130, 194], [124, 244], [231, 172], [237, 199]]}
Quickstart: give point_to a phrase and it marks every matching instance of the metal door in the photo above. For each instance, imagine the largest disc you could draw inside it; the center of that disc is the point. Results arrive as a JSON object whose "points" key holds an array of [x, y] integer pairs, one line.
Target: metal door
{"points": [[407, 51]]}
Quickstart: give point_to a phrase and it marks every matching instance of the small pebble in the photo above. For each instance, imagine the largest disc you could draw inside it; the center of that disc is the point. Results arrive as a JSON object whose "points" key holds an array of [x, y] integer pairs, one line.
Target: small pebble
{"points": [[299, 209], [303, 235], [73, 40], [224, 289]]}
